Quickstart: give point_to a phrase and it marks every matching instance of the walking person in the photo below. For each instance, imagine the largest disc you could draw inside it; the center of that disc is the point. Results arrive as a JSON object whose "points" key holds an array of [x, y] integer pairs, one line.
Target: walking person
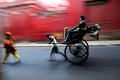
{"points": [[9, 47], [54, 49]]}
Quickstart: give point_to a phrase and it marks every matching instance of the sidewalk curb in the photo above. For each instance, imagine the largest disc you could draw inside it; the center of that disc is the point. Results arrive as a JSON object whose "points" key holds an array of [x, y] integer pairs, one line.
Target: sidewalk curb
{"points": [[91, 43]]}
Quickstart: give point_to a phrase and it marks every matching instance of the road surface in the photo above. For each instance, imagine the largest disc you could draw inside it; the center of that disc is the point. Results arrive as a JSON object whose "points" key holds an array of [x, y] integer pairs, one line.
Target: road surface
{"points": [[103, 64]]}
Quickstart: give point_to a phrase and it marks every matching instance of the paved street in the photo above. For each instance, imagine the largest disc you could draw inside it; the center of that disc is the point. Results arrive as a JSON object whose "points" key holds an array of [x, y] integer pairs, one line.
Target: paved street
{"points": [[103, 64]]}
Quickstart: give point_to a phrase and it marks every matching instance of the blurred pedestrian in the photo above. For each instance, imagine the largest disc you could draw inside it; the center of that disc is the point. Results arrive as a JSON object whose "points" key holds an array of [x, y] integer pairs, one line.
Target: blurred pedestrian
{"points": [[54, 49], [9, 47]]}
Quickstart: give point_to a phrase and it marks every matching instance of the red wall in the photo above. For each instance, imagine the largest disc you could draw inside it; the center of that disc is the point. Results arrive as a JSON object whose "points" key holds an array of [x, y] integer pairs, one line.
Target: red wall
{"points": [[27, 27]]}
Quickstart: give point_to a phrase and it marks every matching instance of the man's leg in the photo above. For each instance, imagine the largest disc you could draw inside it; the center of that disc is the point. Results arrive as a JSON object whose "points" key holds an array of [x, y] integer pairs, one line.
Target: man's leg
{"points": [[7, 53], [70, 33], [16, 55]]}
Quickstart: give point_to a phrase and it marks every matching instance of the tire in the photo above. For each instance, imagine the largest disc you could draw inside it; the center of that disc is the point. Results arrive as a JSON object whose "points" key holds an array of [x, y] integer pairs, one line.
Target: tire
{"points": [[77, 52]]}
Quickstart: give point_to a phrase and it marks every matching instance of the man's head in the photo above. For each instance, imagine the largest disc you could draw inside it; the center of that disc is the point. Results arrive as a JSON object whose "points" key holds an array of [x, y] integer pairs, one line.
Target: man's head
{"points": [[8, 34], [47, 35], [82, 17]]}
